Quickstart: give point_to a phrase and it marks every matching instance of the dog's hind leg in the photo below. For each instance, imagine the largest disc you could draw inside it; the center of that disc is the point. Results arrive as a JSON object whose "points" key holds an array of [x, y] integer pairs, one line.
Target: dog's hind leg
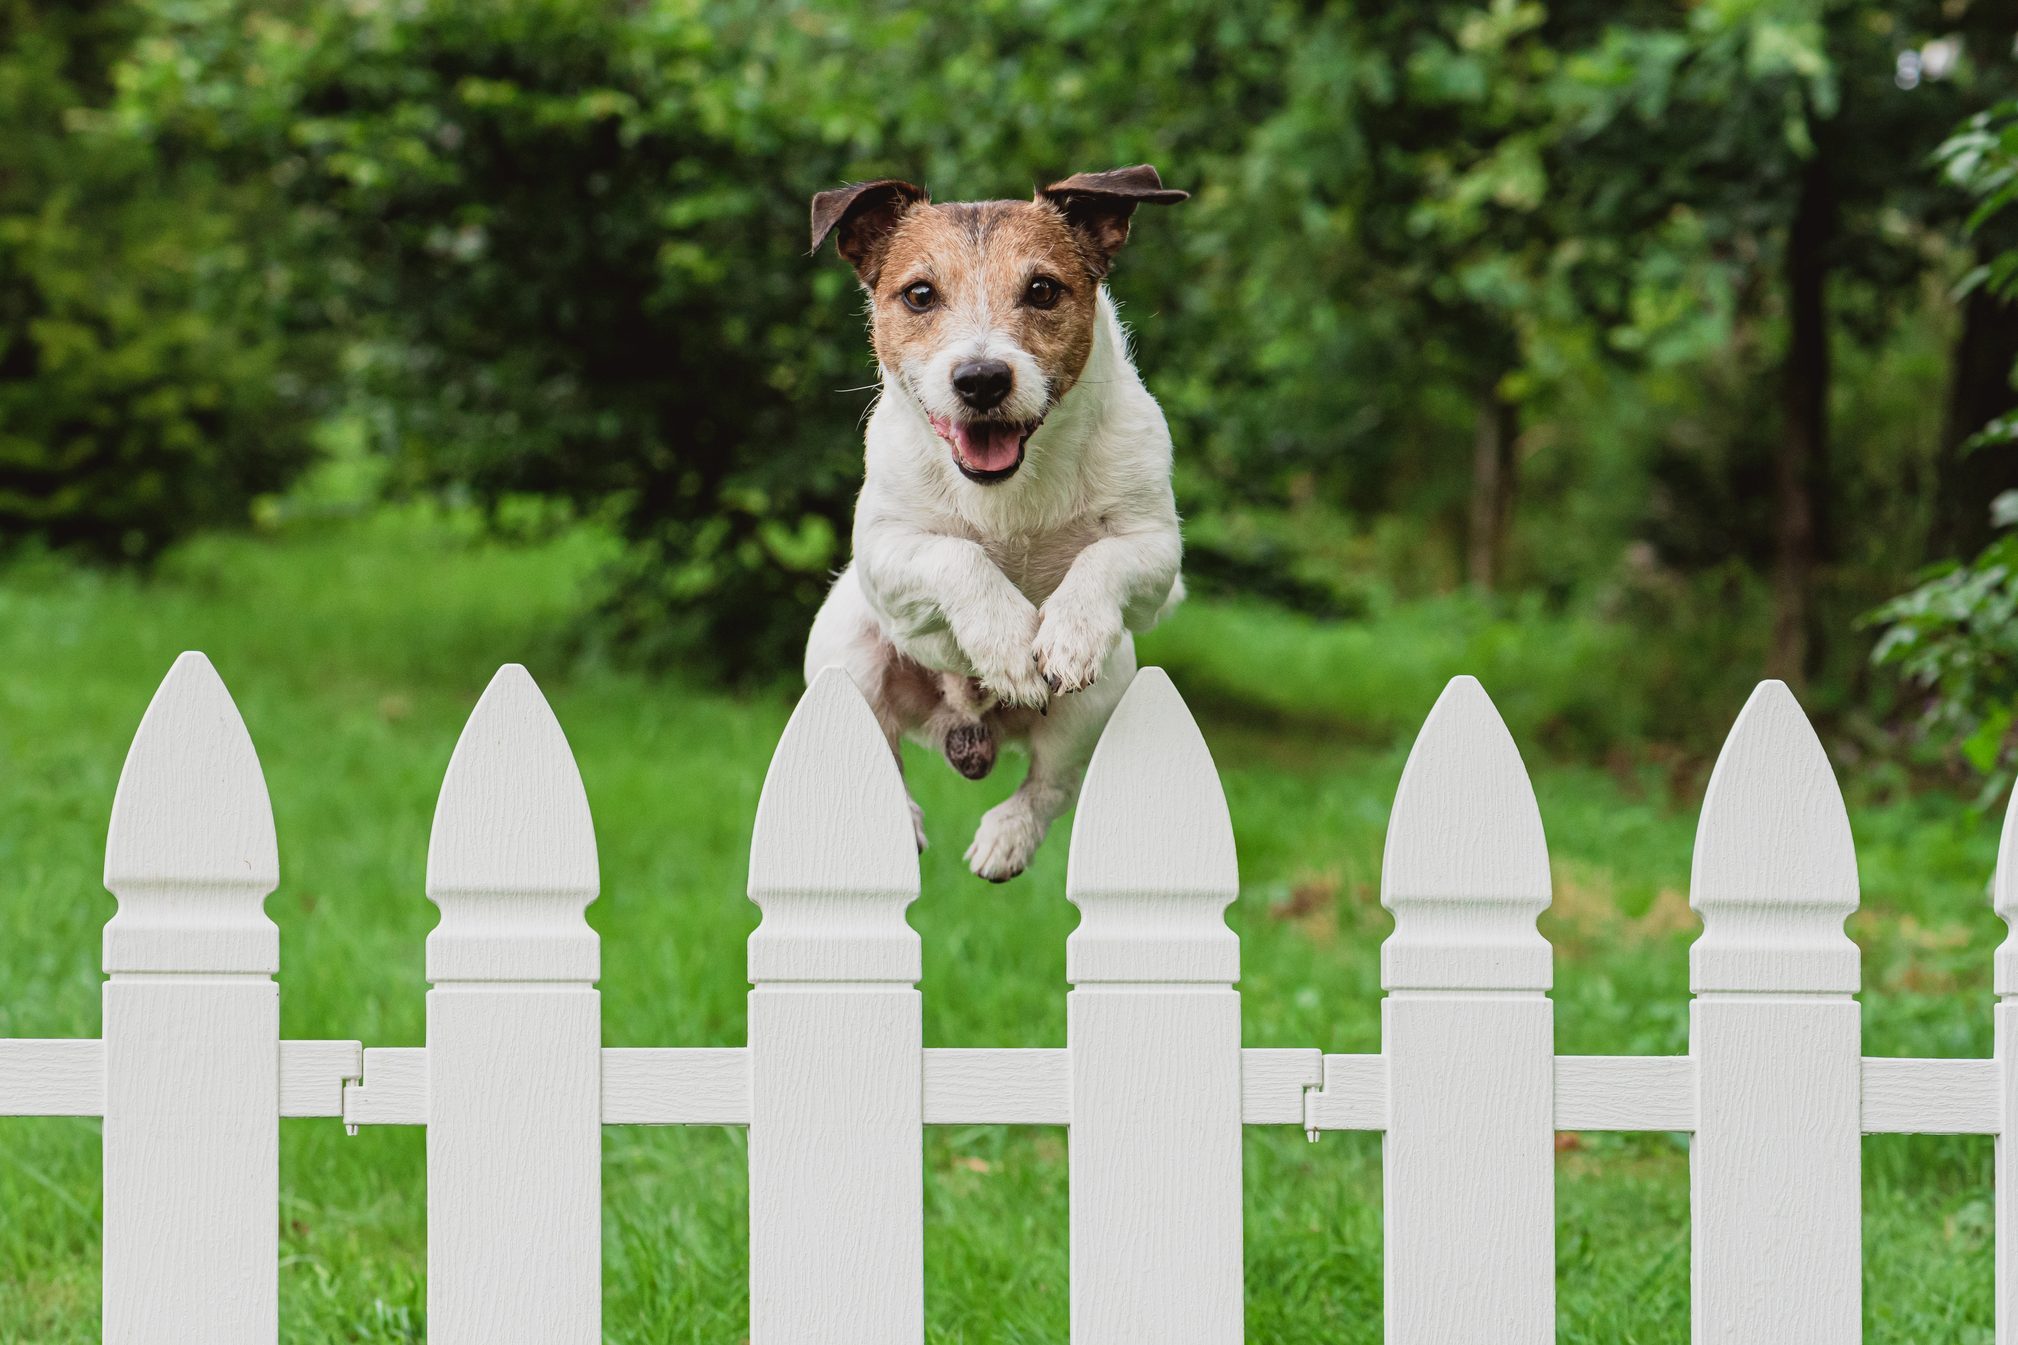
{"points": [[1061, 744]]}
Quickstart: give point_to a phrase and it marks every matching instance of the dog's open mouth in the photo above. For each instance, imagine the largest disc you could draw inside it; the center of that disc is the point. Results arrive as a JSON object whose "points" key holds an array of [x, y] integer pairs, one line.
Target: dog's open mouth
{"points": [[986, 450]]}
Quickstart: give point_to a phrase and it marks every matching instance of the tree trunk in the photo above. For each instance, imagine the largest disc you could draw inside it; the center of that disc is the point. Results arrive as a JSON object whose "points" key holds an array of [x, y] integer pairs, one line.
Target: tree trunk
{"points": [[1979, 390], [1801, 468], [1494, 475]]}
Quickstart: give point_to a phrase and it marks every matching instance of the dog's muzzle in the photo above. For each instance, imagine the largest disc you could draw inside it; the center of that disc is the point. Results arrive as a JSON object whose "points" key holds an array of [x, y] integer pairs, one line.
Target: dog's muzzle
{"points": [[986, 451]]}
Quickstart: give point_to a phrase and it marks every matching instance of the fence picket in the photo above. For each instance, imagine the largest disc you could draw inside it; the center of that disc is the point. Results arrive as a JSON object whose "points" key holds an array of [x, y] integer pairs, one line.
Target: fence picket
{"points": [[2004, 896], [191, 1076], [1153, 1024], [1775, 1167], [1469, 1036], [837, 1223], [192, 1030], [514, 1036]]}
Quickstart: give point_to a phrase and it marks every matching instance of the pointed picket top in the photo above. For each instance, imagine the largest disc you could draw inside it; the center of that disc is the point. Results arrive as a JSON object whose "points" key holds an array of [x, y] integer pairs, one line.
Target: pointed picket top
{"points": [[833, 856], [190, 852], [1466, 869], [2004, 898], [512, 859], [1775, 869], [1152, 866]]}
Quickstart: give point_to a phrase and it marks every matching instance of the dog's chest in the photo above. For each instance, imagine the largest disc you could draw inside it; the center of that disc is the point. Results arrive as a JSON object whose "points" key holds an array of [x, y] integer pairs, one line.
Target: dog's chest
{"points": [[1036, 561]]}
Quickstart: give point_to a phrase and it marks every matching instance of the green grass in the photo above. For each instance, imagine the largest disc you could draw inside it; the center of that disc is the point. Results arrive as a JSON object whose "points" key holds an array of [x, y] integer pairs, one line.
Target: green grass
{"points": [[355, 650]]}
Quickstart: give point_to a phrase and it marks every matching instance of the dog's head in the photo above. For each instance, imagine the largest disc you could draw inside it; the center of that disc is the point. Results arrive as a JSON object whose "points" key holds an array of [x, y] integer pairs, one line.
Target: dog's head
{"points": [[983, 313]]}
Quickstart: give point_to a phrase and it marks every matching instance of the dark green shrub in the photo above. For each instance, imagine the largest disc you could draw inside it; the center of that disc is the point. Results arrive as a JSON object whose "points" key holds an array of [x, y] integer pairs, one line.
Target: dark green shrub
{"points": [[141, 393], [568, 261], [1955, 635]]}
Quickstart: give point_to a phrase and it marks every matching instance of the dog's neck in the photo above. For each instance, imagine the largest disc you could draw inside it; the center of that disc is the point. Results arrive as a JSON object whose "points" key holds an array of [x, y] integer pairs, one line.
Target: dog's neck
{"points": [[1049, 487]]}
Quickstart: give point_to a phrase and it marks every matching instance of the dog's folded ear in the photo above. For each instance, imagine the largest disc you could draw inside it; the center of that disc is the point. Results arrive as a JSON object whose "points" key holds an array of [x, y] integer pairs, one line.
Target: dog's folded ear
{"points": [[1099, 205], [863, 214]]}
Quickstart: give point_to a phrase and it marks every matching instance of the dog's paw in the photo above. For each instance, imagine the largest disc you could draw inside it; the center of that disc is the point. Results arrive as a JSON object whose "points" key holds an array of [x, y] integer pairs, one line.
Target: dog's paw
{"points": [[1009, 835], [918, 826], [970, 748], [1073, 642], [1003, 662]]}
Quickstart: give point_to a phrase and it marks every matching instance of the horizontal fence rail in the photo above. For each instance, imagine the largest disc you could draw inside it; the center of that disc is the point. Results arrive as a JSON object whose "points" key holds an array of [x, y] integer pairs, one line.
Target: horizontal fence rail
{"points": [[191, 1077]]}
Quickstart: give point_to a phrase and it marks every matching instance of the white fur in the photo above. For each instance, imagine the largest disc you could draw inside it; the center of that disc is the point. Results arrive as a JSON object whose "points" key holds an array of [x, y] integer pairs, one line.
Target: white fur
{"points": [[1046, 573]]}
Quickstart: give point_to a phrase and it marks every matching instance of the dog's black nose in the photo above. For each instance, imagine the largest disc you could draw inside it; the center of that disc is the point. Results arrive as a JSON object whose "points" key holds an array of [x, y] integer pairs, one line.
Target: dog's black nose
{"points": [[982, 384]]}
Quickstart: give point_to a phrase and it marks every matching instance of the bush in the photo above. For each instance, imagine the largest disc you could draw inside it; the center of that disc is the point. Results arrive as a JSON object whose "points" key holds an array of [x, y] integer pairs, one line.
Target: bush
{"points": [[141, 393], [1955, 635], [568, 263]]}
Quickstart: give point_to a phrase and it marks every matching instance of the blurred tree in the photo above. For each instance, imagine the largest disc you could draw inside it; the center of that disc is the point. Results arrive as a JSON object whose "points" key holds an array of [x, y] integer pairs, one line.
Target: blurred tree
{"points": [[1603, 258], [1955, 635], [564, 248], [142, 393], [1791, 135]]}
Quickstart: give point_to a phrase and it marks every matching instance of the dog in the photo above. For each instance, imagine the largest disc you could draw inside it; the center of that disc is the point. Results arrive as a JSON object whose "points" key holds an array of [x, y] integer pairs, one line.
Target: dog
{"points": [[1016, 525]]}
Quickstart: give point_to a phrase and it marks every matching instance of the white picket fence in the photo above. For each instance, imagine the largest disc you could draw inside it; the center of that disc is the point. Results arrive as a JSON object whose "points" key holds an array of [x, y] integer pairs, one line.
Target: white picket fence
{"points": [[514, 1085]]}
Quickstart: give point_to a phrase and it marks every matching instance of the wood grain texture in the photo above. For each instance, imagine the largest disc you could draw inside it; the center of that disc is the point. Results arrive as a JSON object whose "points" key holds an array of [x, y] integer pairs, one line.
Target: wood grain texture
{"points": [[1776, 1212], [52, 1076], [700, 1086], [511, 861], [1466, 867], [1468, 1034], [1153, 1027], [191, 1030], [1622, 1092], [1353, 1095], [1469, 1161], [998, 1087], [1775, 871], [1906, 1096], [681, 1086], [66, 1076], [190, 852], [1273, 1083], [514, 1027], [837, 1235], [313, 1074], [830, 867], [392, 1090]]}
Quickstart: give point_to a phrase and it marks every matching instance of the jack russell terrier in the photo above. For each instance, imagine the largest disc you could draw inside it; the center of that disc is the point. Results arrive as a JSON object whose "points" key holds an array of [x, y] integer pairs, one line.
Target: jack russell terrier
{"points": [[1016, 522]]}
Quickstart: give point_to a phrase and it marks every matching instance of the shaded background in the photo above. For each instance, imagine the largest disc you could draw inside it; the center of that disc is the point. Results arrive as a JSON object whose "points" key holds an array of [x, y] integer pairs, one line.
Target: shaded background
{"points": [[1682, 320], [1619, 352]]}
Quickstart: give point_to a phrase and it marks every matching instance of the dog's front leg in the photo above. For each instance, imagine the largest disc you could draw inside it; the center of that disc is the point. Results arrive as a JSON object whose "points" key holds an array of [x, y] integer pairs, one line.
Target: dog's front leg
{"points": [[1121, 582], [926, 587]]}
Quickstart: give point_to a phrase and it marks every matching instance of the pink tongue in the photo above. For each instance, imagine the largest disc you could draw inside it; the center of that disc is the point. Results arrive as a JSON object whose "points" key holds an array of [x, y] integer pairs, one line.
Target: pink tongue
{"points": [[988, 446]]}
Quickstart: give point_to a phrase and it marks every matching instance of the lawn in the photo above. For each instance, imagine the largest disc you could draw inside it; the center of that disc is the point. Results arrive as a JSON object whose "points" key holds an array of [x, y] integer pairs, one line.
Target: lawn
{"points": [[356, 648]]}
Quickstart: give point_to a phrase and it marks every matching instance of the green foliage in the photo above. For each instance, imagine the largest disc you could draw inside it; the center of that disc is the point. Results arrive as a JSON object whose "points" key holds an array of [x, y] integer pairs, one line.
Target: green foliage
{"points": [[563, 253], [1982, 159], [1955, 635], [552, 249], [142, 387]]}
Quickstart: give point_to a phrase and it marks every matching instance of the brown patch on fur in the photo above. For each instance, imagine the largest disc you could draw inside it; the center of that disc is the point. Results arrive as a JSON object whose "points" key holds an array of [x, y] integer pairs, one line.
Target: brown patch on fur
{"points": [[862, 214], [981, 257]]}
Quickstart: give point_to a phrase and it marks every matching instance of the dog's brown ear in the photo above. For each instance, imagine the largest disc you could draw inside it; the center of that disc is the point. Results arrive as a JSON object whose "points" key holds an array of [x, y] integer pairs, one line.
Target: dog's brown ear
{"points": [[863, 214], [1099, 205]]}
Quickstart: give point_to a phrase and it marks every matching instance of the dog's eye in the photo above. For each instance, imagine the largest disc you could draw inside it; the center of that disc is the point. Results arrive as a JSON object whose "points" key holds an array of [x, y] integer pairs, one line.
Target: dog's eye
{"points": [[920, 297], [1043, 292]]}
